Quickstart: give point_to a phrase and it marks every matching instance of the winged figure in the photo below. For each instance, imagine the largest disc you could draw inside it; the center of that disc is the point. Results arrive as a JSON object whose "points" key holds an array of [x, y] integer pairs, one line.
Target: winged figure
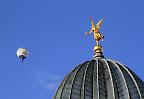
{"points": [[95, 30]]}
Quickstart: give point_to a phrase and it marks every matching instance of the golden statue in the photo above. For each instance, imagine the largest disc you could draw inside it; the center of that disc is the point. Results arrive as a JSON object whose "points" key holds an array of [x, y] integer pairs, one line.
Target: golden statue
{"points": [[95, 30]]}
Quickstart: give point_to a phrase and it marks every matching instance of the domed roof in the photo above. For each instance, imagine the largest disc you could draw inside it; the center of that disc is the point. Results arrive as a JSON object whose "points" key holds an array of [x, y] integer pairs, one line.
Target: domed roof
{"points": [[101, 78]]}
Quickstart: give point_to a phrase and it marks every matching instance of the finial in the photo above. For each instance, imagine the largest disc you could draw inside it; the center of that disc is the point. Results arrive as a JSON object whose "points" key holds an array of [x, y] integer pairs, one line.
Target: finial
{"points": [[97, 35]]}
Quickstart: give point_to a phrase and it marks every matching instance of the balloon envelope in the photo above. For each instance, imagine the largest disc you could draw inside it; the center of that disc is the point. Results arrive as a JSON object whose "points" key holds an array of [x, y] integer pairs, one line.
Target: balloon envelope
{"points": [[22, 51]]}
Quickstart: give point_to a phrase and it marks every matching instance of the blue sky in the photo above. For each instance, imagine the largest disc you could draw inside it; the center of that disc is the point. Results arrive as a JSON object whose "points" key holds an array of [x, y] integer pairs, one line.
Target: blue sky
{"points": [[53, 32]]}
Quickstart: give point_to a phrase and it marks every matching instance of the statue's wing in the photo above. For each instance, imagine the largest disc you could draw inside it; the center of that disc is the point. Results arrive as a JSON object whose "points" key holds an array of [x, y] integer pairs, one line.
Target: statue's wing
{"points": [[98, 25]]}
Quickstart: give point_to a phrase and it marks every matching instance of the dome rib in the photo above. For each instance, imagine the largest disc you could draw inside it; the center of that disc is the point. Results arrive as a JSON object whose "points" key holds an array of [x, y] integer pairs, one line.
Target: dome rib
{"points": [[89, 80], [122, 79], [95, 81], [83, 83], [67, 86], [131, 76], [139, 82], [74, 80], [59, 90], [110, 85], [102, 80], [77, 84], [63, 89]]}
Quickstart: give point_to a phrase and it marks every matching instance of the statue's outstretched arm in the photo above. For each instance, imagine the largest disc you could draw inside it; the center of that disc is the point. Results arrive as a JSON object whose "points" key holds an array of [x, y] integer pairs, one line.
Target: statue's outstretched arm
{"points": [[88, 33]]}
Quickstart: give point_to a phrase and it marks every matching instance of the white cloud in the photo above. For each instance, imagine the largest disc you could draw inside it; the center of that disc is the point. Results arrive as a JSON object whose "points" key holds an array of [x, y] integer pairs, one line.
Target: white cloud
{"points": [[47, 81]]}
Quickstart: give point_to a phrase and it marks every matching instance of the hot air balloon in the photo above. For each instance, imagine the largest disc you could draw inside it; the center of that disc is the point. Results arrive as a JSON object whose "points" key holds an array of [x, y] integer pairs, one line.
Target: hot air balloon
{"points": [[22, 53]]}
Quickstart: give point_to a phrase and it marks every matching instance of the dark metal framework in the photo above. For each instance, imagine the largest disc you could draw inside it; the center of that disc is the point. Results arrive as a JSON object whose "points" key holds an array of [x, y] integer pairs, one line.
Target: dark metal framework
{"points": [[101, 79]]}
